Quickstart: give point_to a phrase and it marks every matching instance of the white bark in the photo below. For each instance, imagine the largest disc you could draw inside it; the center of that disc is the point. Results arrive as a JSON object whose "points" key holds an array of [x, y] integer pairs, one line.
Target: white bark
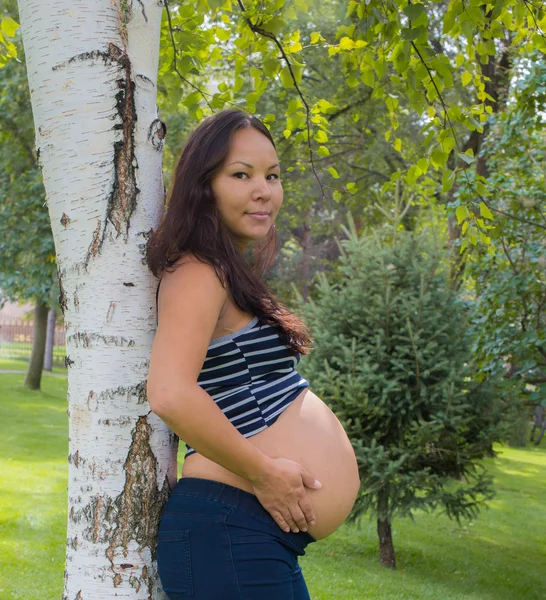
{"points": [[92, 69]]}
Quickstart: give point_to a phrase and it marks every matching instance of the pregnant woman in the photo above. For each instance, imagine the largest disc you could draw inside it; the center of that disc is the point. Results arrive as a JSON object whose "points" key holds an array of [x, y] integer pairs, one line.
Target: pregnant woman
{"points": [[268, 468]]}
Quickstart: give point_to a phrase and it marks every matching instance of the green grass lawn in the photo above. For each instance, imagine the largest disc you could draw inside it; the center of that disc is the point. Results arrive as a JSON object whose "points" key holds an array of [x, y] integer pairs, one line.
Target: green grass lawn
{"points": [[21, 352], [500, 556], [20, 364]]}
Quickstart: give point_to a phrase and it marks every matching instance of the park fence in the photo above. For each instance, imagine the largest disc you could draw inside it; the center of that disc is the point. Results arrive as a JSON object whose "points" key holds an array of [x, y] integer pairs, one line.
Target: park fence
{"points": [[16, 336]]}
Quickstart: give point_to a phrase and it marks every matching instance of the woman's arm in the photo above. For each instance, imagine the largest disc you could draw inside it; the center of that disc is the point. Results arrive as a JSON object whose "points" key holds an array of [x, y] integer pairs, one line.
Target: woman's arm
{"points": [[190, 301], [194, 416]]}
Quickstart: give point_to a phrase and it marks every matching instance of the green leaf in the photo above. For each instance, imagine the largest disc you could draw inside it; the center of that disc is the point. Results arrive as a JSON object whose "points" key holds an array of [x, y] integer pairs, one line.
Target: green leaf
{"points": [[448, 144], [438, 158], [192, 99], [286, 78], [321, 137], [414, 172], [473, 234], [449, 21], [467, 158], [410, 34], [462, 213], [448, 179], [333, 173], [485, 212], [466, 78], [323, 151], [9, 26], [223, 34], [399, 58], [412, 11], [423, 164], [352, 81], [346, 43], [380, 67], [368, 77]]}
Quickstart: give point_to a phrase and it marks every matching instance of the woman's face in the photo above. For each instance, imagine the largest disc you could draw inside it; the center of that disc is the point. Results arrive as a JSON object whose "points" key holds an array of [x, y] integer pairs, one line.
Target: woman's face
{"points": [[248, 182]]}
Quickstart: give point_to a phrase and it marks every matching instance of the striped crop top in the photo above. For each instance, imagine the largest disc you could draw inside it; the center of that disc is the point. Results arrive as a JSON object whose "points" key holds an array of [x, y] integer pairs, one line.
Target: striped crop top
{"points": [[251, 376]]}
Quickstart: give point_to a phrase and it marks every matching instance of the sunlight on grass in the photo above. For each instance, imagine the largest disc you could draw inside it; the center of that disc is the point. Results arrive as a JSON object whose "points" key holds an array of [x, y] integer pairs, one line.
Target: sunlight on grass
{"points": [[33, 500], [22, 365], [498, 556]]}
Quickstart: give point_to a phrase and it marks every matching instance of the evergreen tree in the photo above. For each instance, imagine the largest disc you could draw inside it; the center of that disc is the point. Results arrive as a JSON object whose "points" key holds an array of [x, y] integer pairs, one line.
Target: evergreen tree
{"points": [[392, 359]]}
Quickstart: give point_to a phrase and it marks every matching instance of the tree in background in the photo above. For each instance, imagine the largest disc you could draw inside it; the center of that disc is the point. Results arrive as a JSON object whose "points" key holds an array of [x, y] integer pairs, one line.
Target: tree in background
{"points": [[508, 287], [28, 270], [392, 359]]}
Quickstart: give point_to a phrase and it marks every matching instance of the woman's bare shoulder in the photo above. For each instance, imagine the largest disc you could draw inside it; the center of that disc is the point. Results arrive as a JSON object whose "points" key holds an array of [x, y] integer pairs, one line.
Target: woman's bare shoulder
{"points": [[186, 257]]}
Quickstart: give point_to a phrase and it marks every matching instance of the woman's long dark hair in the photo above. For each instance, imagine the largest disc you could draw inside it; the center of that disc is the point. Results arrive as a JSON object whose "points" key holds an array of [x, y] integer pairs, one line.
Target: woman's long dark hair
{"points": [[192, 222]]}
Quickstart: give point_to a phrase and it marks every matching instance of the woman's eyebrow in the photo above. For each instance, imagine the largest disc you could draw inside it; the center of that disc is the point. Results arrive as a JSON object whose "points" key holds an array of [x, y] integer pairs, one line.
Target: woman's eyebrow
{"points": [[251, 167]]}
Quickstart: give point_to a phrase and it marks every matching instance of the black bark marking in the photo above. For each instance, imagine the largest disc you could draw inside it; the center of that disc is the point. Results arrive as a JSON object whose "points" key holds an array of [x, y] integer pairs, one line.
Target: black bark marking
{"points": [[157, 133], [74, 459], [72, 543], [107, 57], [89, 340], [96, 243], [62, 295], [143, 247], [144, 78], [134, 394], [122, 202]]}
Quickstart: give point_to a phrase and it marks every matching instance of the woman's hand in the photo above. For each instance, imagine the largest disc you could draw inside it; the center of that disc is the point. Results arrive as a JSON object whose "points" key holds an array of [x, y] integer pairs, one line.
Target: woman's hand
{"points": [[281, 491]]}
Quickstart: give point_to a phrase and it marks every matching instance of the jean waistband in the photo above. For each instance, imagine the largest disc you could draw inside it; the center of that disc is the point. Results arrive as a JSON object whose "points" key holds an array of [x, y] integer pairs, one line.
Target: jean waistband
{"points": [[218, 491]]}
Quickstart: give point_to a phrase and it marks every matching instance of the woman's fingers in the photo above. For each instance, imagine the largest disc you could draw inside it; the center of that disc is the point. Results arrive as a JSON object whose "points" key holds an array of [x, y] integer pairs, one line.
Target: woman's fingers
{"points": [[299, 518], [281, 520], [308, 512]]}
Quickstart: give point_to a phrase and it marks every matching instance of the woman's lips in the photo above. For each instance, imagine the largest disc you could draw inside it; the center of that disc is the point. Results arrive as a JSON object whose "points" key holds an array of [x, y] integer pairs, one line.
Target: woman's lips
{"points": [[260, 217]]}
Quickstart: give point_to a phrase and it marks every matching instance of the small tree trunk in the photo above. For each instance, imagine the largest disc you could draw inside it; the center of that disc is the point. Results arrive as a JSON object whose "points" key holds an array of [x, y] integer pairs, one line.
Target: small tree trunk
{"points": [[36, 364], [50, 340], [386, 547]]}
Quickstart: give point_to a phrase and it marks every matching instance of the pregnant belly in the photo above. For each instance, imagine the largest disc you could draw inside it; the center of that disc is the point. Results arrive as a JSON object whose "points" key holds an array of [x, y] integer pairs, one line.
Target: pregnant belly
{"points": [[308, 432]]}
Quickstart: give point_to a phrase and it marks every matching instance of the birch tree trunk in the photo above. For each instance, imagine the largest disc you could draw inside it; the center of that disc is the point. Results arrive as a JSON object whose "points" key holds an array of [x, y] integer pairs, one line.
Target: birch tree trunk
{"points": [[92, 69]]}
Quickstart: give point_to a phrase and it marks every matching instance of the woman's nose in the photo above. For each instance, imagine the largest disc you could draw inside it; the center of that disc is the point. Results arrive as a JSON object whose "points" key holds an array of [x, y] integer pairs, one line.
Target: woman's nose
{"points": [[262, 188]]}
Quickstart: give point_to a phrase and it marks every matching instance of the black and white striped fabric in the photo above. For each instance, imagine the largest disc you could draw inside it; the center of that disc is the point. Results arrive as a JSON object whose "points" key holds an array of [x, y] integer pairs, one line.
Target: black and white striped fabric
{"points": [[251, 376]]}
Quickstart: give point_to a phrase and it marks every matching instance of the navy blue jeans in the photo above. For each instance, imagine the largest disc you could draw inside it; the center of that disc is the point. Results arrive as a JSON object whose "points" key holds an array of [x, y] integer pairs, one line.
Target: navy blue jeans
{"points": [[217, 542]]}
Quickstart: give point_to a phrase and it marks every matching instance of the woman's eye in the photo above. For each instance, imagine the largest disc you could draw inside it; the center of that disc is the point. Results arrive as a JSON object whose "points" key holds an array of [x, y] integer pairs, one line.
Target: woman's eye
{"points": [[241, 173]]}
